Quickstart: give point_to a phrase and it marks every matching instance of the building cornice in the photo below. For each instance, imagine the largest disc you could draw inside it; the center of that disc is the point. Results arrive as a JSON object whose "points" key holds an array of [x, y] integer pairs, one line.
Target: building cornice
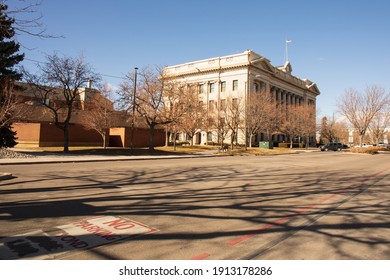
{"points": [[247, 60]]}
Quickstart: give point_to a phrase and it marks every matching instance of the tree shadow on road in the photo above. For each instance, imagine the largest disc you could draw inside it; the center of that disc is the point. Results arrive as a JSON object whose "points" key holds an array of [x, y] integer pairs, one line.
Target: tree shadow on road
{"points": [[180, 202]]}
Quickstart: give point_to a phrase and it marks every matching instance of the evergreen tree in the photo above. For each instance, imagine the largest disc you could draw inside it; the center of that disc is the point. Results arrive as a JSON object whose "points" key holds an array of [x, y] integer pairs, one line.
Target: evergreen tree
{"points": [[9, 58], [8, 137]]}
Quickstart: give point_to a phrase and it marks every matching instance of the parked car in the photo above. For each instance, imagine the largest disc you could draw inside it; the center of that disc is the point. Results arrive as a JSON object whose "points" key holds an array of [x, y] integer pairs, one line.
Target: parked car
{"points": [[333, 147], [364, 145], [384, 145]]}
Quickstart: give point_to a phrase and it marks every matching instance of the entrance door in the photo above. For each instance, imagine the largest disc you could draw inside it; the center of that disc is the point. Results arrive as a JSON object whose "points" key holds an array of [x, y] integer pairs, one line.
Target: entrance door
{"points": [[198, 138]]}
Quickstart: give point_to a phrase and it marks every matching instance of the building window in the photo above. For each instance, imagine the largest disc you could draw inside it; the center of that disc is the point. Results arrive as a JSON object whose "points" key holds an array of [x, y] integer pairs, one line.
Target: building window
{"points": [[235, 103], [211, 87], [201, 88], [235, 85], [223, 86], [209, 136], [211, 105], [256, 87], [223, 104]]}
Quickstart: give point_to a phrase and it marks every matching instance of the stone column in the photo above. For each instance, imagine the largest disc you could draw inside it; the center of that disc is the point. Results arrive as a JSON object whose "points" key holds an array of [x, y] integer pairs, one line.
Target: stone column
{"points": [[273, 92], [285, 103]]}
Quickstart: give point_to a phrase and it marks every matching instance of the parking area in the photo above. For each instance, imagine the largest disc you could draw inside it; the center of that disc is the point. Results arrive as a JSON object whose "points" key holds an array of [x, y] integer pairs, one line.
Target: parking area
{"points": [[302, 206]]}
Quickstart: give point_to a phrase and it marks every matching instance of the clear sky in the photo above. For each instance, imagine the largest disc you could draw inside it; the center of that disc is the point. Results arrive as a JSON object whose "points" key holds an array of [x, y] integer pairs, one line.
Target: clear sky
{"points": [[336, 44]]}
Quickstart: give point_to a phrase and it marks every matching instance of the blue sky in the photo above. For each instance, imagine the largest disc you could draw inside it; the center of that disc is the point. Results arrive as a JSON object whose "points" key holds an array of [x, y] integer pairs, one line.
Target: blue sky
{"points": [[337, 44]]}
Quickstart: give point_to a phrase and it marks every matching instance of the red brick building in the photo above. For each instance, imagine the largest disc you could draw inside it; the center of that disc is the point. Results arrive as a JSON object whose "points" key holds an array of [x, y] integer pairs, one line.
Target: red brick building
{"points": [[35, 125]]}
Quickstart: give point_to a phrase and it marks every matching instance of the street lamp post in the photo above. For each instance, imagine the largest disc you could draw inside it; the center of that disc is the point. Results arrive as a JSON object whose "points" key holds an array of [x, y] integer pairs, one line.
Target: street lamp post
{"points": [[132, 119]]}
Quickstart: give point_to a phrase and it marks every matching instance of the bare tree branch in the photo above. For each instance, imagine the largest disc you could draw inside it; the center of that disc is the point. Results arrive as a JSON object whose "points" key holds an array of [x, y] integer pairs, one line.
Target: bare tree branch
{"points": [[360, 109], [28, 19], [58, 86]]}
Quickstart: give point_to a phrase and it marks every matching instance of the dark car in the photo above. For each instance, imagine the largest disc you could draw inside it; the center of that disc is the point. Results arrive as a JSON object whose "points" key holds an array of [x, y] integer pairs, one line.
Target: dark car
{"points": [[332, 147]]}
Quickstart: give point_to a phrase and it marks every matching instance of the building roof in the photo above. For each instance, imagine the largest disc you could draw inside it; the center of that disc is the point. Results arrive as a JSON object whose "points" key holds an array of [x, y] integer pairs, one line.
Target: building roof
{"points": [[246, 59]]}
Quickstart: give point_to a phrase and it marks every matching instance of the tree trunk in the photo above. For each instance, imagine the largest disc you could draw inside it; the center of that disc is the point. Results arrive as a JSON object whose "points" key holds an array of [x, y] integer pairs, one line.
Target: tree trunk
{"points": [[66, 138], [166, 136], [104, 140], [361, 140], [221, 139], [151, 142], [174, 140]]}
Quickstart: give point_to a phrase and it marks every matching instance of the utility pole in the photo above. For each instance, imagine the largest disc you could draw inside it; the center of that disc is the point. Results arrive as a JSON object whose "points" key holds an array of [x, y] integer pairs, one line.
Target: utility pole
{"points": [[132, 119]]}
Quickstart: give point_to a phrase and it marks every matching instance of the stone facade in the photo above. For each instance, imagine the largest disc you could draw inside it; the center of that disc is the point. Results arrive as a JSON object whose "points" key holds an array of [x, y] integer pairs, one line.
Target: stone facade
{"points": [[239, 75]]}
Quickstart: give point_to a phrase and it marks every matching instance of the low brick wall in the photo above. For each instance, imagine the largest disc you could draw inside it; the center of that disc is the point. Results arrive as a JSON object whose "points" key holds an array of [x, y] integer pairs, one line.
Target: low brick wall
{"points": [[121, 137], [48, 135]]}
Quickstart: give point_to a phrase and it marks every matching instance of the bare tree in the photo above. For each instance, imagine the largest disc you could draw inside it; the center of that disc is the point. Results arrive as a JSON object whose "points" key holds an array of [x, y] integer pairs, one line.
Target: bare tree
{"points": [[234, 115], [360, 109], [219, 126], [227, 119], [151, 100], [261, 112], [11, 108], [57, 86], [379, 125], [306, 121], [193, 112], [290, 125], [28, 19], [177, 104], [98, 114], [333, 130]]}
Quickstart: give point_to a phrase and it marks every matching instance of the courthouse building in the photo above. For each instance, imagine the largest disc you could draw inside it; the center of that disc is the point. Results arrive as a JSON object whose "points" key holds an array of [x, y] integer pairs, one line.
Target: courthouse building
{"points": [[238, 75]]}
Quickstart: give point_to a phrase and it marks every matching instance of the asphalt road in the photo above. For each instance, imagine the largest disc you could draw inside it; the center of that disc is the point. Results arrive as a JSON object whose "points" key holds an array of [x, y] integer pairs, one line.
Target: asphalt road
{"points": [[329, 205]]}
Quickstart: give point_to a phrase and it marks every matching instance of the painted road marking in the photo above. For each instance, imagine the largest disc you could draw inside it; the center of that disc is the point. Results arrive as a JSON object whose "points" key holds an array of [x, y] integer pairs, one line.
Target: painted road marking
{"points": [[83, 234], [201, 256], [297, 213], [301, 211]]}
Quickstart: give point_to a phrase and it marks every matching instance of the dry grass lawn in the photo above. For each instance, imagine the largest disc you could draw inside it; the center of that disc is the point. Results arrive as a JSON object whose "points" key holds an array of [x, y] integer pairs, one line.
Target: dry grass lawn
{"points": [[179, 149]]}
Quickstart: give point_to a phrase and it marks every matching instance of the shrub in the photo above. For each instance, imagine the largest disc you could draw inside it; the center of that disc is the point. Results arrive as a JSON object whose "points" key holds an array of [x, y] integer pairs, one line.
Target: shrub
{"points": [[367, 150], [287, 145]]}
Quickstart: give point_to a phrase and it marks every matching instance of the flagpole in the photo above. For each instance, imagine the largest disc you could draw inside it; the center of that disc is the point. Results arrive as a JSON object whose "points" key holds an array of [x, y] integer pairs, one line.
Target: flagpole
{"points": [[287, 42], [286, 54]]}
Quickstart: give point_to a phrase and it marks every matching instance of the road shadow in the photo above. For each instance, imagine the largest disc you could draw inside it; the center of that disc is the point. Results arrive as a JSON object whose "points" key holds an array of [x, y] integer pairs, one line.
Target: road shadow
{"points": [[251, 195]]}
